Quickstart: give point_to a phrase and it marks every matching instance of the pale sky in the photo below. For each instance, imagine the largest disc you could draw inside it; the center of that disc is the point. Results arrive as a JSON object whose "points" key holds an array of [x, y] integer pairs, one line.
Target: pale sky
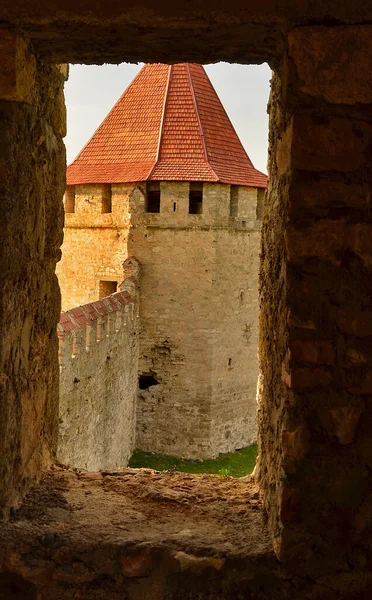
{"points": [[91, 92]]}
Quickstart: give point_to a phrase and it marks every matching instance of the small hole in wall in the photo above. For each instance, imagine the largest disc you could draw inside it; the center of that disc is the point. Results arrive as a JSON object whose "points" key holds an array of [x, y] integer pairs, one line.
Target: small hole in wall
{"points": [[230, 362], [174, 206], [147, 380]]}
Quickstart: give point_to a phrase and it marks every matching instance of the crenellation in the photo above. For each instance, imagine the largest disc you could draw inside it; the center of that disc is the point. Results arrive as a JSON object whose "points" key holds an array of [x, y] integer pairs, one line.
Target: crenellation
{"points": [[98, 341]]}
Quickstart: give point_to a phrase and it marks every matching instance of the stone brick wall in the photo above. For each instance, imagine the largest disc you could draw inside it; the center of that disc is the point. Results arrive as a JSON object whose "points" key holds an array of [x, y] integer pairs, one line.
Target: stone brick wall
{"points": [[199, 316], [98, 382], [32, 180], [198, 306], [315, 334], [95, 243]]}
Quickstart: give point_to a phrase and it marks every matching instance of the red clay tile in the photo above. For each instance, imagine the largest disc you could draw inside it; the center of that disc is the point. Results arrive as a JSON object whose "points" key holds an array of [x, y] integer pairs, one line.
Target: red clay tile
{"points": [[169, 125]]}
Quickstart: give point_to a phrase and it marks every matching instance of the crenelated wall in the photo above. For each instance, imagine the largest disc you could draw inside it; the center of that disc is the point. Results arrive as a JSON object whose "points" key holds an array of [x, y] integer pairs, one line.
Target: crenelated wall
{"points": [[198, 304], [95, 242], [98, 382], [199, 319]]}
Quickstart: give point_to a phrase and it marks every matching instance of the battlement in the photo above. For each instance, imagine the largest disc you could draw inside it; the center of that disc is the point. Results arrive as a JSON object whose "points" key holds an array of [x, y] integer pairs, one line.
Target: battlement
{"points": [[81, 327], [169, 203], [98, 356]]}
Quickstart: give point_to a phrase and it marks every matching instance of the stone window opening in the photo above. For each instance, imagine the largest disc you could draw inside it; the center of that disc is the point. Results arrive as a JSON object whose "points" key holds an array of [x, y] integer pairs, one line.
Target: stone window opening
{"points": [[196, 199], [153, 198], [70, 199], [234, 201], [260, 203], [106, 288], [174, 206], [146, 380], [299, 507], [107, 200]]}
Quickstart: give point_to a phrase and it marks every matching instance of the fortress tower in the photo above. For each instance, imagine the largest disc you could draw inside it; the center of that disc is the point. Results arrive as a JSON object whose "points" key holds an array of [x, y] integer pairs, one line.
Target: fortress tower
{"points": [[166, 180]]}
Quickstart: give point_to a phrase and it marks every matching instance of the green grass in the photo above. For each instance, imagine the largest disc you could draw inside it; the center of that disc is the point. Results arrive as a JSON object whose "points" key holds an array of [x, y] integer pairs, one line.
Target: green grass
{"points": [[234, 464]]}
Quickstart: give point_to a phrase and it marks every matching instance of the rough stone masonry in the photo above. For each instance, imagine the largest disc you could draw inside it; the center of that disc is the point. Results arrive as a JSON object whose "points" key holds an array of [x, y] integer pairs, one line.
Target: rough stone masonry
{"points": [[315, 421]]}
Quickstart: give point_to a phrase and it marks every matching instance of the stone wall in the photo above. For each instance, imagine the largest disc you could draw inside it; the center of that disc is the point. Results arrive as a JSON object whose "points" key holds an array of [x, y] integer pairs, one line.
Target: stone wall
{"points": [[315, 452], [95, 243], [315, 334], [198, 305], [199, 319], [32, 180], [98, 383]]}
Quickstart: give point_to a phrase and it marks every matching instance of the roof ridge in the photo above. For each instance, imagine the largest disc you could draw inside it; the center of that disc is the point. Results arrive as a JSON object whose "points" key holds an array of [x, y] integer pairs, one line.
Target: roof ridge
{"points": [[161, 128], [199, 119]]}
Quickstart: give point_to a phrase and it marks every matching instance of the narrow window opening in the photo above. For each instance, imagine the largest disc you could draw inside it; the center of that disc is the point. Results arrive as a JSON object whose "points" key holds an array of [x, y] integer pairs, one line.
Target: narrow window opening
{"points": [[234, 201], [70, 199], [260, 203], [196, 199], [147, 380], [106, 288], [174, 206], [230, 362], [107, 200], [153, 198]]}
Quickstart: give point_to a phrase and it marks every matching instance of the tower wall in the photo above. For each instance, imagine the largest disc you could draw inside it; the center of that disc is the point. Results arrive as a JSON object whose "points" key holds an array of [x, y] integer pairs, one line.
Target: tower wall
{"points": [[198, 321], [95, 242], [198, 305]]}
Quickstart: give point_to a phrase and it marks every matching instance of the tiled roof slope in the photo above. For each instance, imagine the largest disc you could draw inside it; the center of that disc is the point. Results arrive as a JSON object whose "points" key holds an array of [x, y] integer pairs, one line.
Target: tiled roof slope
{"points": [[169, 125]]}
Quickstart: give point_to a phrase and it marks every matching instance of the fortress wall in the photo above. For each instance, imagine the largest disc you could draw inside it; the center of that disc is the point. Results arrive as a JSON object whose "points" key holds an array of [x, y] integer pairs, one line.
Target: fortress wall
{"points": [[95, 243], [174, 415], [98, 383], [198, 308], [235, 361]]}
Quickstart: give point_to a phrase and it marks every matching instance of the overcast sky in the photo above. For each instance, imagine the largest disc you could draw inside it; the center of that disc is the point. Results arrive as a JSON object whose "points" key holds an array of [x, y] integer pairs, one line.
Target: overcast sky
{"points": [[91, 92]]}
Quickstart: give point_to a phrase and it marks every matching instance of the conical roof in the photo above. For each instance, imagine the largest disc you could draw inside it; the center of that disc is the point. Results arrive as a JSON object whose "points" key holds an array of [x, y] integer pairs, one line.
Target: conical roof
{"points": [[169, 125]]}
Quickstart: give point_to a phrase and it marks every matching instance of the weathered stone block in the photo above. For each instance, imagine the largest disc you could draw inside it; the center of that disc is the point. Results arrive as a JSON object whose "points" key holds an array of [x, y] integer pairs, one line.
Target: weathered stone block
{"points": [[321, 143], [359, 241], [325, 194], [333, 63], [354, 322], [323, 240], [313, 351], [18, 68], [299, 378], [341, 422], [136, 565], [295, 443], [363, 386]]}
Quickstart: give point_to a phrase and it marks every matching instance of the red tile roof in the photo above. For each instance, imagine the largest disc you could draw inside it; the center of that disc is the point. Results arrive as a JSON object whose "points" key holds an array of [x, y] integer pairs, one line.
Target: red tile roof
{"points": [[169, 125]]}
